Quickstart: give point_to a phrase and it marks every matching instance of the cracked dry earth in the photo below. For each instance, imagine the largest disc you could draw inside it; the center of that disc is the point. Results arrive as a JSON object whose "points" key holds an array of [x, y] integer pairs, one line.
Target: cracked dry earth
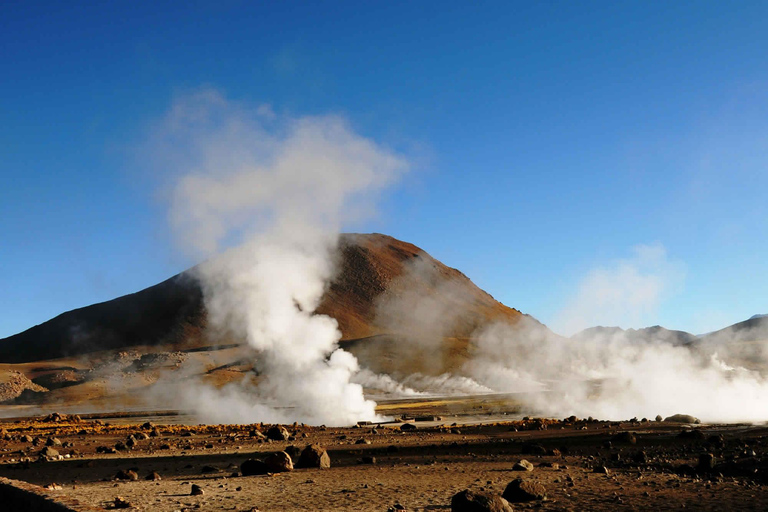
{"points": [[662, 466]]}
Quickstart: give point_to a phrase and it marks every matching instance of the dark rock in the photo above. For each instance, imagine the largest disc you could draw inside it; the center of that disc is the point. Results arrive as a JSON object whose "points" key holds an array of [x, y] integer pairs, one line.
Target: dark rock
{"points": [[279, 462], [121, 502], [706, 463], [693, 435], [601, 469], [293, 451], [640, 457], [127, 475], [196, 490], [368, 460], [473, 501], [405, 427], [625, 438], [209, 469], [314, 456], [52, 441], [519, 490], [153, 476], [253, 467], [278, 433]]}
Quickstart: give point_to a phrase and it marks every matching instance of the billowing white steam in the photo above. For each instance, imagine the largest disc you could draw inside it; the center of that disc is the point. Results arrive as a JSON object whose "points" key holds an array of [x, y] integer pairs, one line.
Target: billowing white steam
{"points": [[278, 191], [616, 376]]}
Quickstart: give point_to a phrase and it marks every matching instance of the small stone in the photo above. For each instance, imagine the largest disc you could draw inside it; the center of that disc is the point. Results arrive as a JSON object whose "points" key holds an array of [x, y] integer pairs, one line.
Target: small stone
{"points": [[196, 490], [127, 475], [522, 465]]}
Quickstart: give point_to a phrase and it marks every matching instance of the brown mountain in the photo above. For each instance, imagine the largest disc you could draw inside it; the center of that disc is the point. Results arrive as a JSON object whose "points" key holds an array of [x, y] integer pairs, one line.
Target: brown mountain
{"points": [[383, 287]]}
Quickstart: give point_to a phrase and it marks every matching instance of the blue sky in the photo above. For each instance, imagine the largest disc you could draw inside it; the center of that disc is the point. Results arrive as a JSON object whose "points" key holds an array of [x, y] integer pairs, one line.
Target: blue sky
{"points": [[567, 156]]}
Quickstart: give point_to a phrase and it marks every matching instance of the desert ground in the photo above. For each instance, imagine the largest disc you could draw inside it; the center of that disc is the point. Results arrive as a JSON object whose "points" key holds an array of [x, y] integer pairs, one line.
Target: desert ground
{"points": [[126, 461]]}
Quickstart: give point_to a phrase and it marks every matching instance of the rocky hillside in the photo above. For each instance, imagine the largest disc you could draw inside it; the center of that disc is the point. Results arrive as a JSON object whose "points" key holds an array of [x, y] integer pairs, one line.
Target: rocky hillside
{"points": [[379, 277]]}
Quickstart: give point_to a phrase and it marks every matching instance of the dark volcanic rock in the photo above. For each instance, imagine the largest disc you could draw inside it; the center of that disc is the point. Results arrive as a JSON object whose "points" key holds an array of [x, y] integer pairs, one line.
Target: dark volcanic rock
{"points": [[127, 475], [314, 456], [472, 501], [407, 426], [625, 438], [253, 467], [520, 490], [278, 433]]}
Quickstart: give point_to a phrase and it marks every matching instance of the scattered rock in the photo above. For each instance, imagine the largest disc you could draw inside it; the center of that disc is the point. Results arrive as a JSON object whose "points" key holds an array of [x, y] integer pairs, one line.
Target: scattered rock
{"points": [[196, 490], [601, 469], [473, 501], [153, 476], [127, 475], [405, 427], [658, 417], [49, 452], [209, 469], [522, 465], [279, 462], [121, 502], [52, 441], [519, 490], [53, 487], [368, 460], [278, 433], [314, 456]]}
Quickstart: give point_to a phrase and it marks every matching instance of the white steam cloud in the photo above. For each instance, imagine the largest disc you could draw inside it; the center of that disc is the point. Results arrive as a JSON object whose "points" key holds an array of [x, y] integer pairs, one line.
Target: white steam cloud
{"points": [[265, 199], [618, 375]]}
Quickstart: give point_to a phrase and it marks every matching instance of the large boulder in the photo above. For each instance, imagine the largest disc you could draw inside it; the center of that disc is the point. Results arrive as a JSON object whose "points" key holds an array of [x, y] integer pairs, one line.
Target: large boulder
{"points": [[520, 490], [279, 462], [278, 433], [475, 501], [314, 456]]}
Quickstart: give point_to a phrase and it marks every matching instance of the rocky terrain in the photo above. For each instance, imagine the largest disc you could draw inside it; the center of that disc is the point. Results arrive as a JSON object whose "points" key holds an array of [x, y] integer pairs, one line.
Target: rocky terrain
{"points": [[429, 464]]}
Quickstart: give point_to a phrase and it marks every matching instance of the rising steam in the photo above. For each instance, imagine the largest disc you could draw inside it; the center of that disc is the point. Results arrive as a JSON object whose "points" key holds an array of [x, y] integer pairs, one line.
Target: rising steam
{"points": [[264, 199]]}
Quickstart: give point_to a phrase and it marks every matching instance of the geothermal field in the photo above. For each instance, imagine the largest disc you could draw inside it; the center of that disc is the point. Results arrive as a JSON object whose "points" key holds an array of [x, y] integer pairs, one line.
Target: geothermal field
{"points": [[398, 386]]}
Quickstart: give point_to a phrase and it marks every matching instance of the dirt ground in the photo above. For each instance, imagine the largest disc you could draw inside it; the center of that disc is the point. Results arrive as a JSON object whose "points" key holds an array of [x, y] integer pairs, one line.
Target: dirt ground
{"points": [[381, 467]]}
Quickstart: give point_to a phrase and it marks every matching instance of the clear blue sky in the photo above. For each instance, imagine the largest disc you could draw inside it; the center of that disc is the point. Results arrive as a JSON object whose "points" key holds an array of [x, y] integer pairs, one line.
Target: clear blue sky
{"points": [[552, 138]]}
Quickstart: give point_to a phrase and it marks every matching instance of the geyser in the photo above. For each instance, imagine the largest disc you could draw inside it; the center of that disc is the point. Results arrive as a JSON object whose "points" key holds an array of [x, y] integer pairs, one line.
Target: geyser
{"points": [[264, 199]]}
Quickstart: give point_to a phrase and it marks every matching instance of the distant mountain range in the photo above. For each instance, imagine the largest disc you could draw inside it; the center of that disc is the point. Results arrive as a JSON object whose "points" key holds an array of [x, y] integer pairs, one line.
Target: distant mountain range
{"points": [[756, 328]]}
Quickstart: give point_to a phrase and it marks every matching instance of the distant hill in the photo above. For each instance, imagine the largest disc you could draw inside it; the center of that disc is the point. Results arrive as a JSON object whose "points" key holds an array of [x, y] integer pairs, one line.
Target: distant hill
{"points": [[645, 335], [373, 269]]}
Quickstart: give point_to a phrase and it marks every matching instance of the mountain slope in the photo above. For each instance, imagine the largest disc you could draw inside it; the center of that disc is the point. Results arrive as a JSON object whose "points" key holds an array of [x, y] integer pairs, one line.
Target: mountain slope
{"points": [[373, 269]]}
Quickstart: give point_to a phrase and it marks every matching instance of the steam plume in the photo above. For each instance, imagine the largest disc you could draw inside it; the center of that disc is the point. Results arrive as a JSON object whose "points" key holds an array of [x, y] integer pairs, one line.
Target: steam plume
{"points": [[265, 200]]}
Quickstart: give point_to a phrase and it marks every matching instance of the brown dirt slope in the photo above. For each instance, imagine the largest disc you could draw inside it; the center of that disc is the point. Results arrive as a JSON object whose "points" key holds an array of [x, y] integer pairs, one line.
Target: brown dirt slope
{"points": [[371, 266]]}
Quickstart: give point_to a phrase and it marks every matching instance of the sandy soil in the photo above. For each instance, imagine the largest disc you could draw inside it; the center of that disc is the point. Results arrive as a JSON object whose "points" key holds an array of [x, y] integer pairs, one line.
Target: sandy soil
{"points": [[419, 469]]}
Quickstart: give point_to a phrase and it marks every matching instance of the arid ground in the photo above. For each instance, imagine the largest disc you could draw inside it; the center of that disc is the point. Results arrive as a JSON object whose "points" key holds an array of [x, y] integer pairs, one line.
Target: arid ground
{"points": [[579, 464]]}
